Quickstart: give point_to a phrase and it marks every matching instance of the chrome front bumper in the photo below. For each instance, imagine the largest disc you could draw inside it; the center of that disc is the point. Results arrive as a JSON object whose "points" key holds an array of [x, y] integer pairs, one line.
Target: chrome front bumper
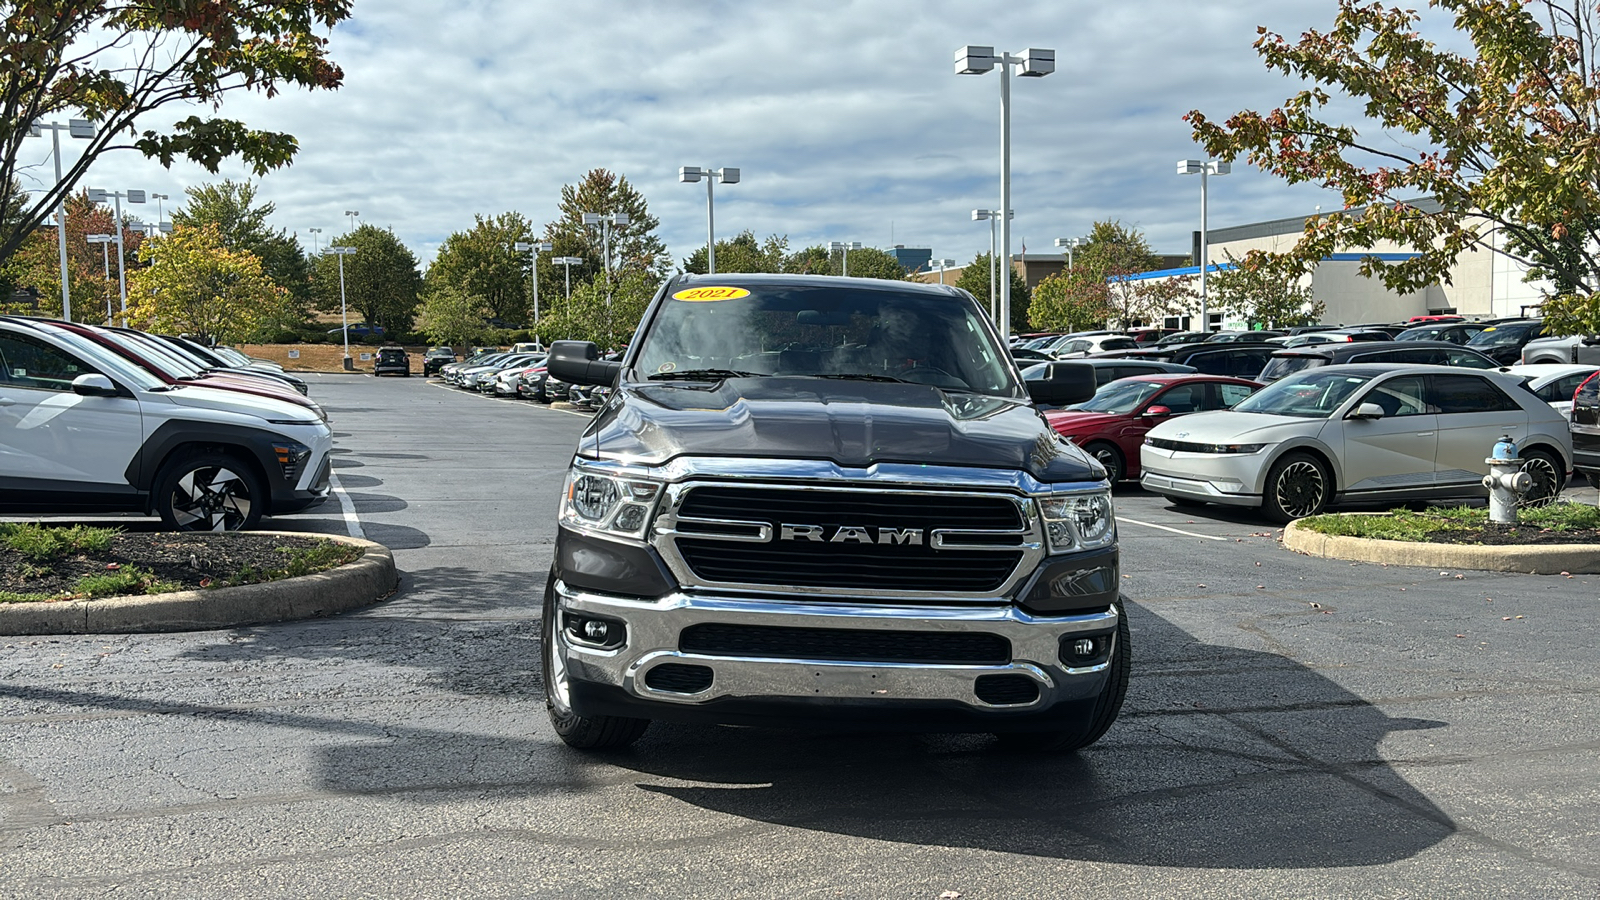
{"points": [[653, 628]]}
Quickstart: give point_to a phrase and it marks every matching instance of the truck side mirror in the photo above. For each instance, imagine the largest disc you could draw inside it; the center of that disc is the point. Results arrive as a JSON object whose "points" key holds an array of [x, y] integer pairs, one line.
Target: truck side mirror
{"points": [[579, 362], [1063, 384]]}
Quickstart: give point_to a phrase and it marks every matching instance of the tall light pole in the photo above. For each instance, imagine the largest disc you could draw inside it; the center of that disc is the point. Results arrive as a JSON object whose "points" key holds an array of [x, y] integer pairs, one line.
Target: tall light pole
{"points": [[537, 247], [344, 316], [161, 214], [692, 174], [992, 216], [97, 195], [1069, 245], [606, 221], [82, 129], [1205, 169], [941, 263], [1030, 63], [104, 240], [567, 262], [314, 232], [846, 246], [353, 215]]}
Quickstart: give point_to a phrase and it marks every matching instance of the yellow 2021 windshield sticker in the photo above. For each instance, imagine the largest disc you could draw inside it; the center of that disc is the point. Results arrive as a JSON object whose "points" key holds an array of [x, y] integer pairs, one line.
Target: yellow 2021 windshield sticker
{"points": [[708, 294]]}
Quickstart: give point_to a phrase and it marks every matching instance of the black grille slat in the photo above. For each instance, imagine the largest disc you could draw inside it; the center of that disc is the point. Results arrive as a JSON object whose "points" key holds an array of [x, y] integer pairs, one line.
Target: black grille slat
{"points": [[1005, 689], [847, 565], [860, 645]]}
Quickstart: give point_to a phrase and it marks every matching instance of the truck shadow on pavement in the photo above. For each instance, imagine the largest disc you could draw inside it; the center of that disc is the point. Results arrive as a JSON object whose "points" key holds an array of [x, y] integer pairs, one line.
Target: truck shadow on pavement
{"points": [[1223, 758]]}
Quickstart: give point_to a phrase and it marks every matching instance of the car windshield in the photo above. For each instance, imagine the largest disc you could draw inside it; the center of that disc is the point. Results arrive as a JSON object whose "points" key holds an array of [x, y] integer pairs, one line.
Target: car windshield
{"points": [[1502, 335], [825, 332], [1283, 365], [1308, 395], [1120, 397]]}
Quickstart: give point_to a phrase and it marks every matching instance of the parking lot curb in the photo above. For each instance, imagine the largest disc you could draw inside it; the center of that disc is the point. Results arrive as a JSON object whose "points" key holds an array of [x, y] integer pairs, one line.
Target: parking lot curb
{"points": [[350, 586], [1532, 559]]}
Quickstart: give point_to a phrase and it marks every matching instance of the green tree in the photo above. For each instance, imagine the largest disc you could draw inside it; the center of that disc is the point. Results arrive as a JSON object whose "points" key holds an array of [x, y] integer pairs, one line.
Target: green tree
{"points": [[451, 316], [381, 282], [1111, 264], [1504, 135], [483, 263], [743, 253], [607, 318], [117, 62], [1263, 290], [813, 260], [37, 264], [1063, 303], [231, 206], [193, 284], [974, 280], [633, 246]]}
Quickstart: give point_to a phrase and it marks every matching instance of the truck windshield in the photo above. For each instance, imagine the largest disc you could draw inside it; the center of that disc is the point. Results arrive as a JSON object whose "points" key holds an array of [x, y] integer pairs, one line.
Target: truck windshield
{"points": [[825, 332]]}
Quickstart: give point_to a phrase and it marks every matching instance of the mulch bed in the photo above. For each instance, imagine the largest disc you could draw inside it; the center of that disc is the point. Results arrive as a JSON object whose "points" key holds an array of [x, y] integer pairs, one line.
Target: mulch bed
{"points": [[1515, 535], [186, 559]]}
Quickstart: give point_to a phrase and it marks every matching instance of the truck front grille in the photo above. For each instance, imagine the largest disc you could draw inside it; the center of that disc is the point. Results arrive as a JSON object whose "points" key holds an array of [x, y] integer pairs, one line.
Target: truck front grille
{"points": [[904, 541], [852, 644]]}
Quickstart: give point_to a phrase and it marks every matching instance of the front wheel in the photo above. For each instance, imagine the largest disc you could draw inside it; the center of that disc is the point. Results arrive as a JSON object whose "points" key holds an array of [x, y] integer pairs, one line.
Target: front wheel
{"points": [[581, 732], [1106, 707], [1109, 457], [1548, 478], [208, 492], [1298, 485]]}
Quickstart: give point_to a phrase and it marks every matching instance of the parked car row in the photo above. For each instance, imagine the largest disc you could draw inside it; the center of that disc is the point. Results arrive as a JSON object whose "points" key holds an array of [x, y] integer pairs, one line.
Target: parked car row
{"points": [[97, 419]]}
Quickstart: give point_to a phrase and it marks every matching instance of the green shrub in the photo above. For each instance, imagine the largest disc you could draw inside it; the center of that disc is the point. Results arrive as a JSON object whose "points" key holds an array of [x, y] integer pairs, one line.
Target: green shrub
{"points": [[38, 542], [374, 340], [320, 557], [286, 337], [129, 580]]}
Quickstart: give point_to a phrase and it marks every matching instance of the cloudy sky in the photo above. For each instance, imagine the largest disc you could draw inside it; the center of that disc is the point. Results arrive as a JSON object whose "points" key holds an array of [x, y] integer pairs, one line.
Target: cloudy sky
{"points": [[845, 117]]}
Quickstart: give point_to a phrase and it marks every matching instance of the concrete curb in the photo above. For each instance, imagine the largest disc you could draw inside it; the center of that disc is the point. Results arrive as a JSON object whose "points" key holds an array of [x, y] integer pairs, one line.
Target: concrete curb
{"points": [[351, 586], [1536, 559]]}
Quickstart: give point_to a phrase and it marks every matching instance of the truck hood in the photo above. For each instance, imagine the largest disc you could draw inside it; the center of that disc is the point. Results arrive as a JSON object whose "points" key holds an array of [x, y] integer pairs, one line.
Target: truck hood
{"points": [[852, 423]]}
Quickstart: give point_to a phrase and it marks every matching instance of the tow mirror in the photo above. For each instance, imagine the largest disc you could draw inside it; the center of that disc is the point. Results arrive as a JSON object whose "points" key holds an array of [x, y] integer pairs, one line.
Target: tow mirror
{"points": [[579, 362], [93, 385], [1063, 384], [1367, 411]]}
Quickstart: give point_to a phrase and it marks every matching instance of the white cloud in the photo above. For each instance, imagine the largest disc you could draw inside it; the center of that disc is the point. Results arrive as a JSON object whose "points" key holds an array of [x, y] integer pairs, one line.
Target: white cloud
{"points": [[845, 117]]}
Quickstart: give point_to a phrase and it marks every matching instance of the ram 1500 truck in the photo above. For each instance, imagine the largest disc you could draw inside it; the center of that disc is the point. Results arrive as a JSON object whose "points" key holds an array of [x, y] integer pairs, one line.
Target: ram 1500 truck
{"points": [[818, 498]]}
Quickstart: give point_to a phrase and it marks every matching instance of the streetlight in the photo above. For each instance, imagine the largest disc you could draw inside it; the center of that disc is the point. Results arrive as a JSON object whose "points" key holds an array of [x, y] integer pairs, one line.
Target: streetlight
{"points": [[1030, 63], [314, 232], [160, 210], [568, 262], [353, 214], [992, 216], [1069, 244], [606, 221], [344, 317], [82, 129], [97, 195], [846, 246], [104, 240], [1205, 169], [692, 174], [537, 248], [941, 263]]}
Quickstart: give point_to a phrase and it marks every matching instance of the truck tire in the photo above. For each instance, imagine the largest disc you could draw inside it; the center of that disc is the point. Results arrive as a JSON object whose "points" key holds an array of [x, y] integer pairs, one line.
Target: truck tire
{"points": [[208, 492], [1106, 708], [580, 732]]}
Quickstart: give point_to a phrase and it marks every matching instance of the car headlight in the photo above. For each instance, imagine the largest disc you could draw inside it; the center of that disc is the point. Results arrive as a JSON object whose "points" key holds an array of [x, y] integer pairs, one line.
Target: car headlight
{"points": [[595, 501], [1078, 521]]}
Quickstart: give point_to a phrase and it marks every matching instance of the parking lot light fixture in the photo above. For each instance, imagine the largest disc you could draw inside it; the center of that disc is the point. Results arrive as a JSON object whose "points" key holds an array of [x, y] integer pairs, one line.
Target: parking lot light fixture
{"points": [[105, 241], [992, 216], [83, 129], [692, 174], [352, 214], [314, 248], [846, 247], [941, 263], [97, 195], [1069, 245], [1030, 63], [567, 262], [535, 248], [344, 317], [1205, 169]]}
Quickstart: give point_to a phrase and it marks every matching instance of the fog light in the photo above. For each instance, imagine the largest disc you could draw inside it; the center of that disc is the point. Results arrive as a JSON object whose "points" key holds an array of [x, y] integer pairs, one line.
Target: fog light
{"points": [[604, 634], [1080, 647], [595, 630]]}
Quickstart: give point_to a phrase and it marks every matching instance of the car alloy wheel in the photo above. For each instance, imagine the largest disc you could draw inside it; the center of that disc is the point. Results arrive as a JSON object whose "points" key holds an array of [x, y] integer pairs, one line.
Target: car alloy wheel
{"points": [[209, 492], [1297, 487], [1107, 456], [1547, 478]]}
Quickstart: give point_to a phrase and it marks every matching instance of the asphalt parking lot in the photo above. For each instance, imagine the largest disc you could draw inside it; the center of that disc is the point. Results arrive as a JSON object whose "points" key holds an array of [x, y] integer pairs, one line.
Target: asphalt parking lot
{"points": [[1295, 728]]}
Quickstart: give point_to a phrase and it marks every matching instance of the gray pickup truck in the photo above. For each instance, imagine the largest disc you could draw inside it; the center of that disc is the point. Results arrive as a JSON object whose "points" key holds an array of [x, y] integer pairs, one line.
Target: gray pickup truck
{"points": [[818, 499]]}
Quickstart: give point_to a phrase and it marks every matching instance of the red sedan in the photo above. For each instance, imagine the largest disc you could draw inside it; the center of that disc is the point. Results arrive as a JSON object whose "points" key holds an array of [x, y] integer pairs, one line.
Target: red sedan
{"points": [[1111, 426]]}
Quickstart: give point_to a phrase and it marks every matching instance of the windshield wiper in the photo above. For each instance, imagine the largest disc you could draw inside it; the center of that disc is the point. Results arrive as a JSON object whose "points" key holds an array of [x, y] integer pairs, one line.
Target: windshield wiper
{"points": [[866, 376], [701, 375]]}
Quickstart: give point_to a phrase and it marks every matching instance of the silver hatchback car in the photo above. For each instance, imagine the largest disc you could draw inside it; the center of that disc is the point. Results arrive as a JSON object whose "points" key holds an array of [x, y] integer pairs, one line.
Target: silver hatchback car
{"points": [[1357, 433]]}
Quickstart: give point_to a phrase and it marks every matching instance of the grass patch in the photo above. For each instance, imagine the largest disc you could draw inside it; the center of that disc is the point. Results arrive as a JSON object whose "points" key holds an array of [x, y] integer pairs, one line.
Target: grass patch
{"points": [[308, 561], [1407, 525], [129, 580], [14, 597], [41, 544]]}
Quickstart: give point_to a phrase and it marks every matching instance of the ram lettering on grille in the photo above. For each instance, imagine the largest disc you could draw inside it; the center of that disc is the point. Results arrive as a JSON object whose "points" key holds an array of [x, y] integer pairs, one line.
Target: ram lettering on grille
{"points": [[850, 534]]}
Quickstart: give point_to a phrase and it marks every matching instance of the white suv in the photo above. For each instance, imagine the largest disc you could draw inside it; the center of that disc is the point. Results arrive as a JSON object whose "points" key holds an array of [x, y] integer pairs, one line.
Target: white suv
{"points": [[85, 430]]}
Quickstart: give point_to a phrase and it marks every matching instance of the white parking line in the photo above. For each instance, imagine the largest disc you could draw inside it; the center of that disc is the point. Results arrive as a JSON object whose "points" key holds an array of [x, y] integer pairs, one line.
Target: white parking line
{"points": [[1209, 537], [352, 522], [522, 403]]}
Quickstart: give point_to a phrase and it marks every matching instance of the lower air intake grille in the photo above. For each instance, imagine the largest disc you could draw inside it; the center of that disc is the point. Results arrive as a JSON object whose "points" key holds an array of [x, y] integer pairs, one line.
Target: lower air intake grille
{"points": [[678, 678], [1006, 689], [772, 642]]}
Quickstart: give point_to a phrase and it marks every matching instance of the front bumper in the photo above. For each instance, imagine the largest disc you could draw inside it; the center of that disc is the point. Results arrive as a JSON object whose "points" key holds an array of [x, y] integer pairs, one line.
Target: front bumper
{"points": [[1228, 479], [773, 689]]}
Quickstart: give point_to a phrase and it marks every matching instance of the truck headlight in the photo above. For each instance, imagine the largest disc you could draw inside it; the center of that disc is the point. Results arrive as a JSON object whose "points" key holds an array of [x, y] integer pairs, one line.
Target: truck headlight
{"points": [[598, 501], [1078, 521]]}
